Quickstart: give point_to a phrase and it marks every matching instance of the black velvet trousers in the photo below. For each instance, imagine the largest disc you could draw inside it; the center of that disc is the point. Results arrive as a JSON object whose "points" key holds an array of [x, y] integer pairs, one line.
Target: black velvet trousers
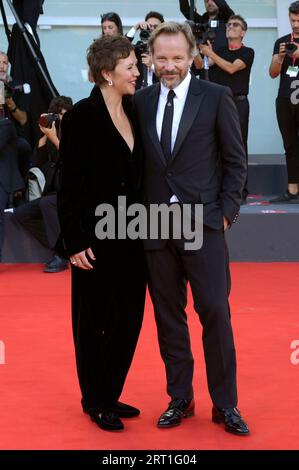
{"points": [[107, 313]]}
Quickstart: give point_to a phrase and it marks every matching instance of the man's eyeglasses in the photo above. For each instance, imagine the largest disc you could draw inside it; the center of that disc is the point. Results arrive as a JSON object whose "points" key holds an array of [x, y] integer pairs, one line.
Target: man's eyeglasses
{"points": [[234, 24]]}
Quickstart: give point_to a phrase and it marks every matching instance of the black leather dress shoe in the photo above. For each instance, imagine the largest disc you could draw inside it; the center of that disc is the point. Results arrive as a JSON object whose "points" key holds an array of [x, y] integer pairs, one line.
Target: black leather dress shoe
{"points": [[286, 198], [56, 265], [107, 420], [232, 420], [177, 409], [125, 411], [121, 409]]}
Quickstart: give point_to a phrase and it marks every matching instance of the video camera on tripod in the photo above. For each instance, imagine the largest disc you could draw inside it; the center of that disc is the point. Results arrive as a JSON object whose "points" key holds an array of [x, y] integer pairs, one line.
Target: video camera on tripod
{"points": [[7, 90], [204, 32]]}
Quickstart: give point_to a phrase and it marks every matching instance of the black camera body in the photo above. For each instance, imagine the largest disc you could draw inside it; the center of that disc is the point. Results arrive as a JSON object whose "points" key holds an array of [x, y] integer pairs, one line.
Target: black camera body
{"points": [[290, 48], [142, 44], [46, 120], [144, 35], [204, 32]]}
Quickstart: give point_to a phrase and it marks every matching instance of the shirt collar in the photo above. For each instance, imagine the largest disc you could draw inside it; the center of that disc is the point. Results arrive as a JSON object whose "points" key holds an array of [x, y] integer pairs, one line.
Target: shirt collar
{"points": [[180, 91]]}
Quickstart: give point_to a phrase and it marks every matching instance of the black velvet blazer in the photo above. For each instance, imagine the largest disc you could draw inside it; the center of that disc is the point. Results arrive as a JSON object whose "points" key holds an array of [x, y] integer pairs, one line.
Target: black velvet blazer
{"points": [[97, 167]]}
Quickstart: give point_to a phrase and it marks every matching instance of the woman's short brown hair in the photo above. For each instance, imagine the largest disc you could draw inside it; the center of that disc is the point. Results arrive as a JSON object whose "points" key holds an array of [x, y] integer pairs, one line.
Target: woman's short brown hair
{"points": [[104, 54]]}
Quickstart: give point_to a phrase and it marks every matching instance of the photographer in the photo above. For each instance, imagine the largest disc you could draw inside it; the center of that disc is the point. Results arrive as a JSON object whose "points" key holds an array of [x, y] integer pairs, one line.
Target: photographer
{"points": [[285, 63], [144, 63], [215, 10], [39, 216], [232, 66], [10, 178], [15, 109]]}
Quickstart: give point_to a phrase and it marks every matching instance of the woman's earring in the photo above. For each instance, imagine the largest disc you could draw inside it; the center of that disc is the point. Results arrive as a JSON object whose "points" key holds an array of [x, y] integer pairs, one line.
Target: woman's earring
{"points": [[110, 82]]}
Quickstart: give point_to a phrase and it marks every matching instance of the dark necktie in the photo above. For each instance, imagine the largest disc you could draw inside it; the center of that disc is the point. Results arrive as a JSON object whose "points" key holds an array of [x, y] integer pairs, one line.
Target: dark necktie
{"points": [[167, 126]]}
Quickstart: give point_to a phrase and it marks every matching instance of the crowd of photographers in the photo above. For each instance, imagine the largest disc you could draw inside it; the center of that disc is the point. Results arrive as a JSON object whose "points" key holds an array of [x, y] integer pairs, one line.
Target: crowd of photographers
{"points": [[221, 57]]}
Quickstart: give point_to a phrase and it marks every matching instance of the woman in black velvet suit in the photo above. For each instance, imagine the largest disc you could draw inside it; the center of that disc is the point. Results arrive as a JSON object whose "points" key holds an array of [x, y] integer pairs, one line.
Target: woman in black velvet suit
{"points": [[101, 160]]}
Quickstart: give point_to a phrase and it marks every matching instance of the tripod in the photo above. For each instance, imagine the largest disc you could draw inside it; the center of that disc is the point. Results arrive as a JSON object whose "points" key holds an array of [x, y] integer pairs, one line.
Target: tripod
{"points": [[25, 33]]}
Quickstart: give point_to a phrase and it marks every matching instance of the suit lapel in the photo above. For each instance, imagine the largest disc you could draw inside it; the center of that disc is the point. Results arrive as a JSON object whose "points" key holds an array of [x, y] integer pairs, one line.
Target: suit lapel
{"points": [[152, 106], [191, 108]]}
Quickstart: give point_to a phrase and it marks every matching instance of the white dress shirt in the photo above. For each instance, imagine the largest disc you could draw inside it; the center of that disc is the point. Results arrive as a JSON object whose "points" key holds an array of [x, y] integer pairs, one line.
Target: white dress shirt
{"points": [[179, 103]]}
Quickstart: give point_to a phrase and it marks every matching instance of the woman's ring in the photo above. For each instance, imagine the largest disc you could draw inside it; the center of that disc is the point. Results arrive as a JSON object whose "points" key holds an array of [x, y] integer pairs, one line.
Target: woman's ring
{"points": [[74, 262]]}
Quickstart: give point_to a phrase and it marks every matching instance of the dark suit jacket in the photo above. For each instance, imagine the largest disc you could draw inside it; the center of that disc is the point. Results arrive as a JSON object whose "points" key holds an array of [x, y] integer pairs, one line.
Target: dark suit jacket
{"points": [[10, 177], [208, 165], [96, 167]]}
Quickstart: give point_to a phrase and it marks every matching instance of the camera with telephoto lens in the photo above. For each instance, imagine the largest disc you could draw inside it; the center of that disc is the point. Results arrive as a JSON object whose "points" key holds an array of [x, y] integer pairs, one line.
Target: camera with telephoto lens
{"points": [[46, 120], [10, 90], [290, 48], [204, 32]]}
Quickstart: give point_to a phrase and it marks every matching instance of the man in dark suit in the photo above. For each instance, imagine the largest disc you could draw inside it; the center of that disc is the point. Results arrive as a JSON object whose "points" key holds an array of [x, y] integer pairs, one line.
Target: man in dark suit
{"points": [[10, 178], [198, 158]]}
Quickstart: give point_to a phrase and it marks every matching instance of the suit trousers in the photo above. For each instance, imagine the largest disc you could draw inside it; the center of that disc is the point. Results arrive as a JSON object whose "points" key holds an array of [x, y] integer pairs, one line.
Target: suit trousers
{"points": [[243, 112], [4, 197], [288, 121], [40, 218], [207, 271]]}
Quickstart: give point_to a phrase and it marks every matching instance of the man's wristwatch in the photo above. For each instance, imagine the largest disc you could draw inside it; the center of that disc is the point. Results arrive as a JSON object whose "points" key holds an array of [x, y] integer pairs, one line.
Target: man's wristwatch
{"points": [[13, 110]]}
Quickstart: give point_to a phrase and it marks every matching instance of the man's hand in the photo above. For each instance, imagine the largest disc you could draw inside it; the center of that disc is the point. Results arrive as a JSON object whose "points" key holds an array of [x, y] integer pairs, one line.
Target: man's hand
{"points": [[146, 60], [296, 53], [225, 223], [206, 49], [51, 134], [10, 103], [282, 52], [141, 25], [80, 259], [16, 113]]}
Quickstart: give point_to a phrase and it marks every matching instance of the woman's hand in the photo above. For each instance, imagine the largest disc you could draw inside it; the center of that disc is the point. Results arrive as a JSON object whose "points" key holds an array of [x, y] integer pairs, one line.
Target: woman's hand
{"points": [[80, 259]]}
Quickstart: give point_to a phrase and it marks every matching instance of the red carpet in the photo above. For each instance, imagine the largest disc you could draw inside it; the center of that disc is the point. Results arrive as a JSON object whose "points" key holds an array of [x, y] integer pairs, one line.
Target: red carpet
{"points": [[40, 399]]}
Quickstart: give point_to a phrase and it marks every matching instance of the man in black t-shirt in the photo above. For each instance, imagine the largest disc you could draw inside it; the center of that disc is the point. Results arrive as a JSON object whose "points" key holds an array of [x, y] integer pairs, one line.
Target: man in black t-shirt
{"points": [[215, 10], [232, 66], [285, 63]]}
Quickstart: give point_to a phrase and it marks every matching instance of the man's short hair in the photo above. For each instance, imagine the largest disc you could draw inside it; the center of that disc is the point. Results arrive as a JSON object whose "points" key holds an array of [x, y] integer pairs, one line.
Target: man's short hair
{"points": [[154, 14], [294, 8], [59, 103], [104, 54], [172, 28], [240, 18]]}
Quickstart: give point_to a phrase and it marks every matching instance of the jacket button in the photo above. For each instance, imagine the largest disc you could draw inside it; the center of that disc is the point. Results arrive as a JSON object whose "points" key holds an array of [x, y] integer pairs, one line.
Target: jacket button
{"points": [[169, 174]]}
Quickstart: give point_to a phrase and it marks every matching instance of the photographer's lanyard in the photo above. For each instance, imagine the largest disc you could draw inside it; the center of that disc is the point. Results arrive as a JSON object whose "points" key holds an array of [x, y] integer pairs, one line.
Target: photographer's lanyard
{"points": [[293, 69]]}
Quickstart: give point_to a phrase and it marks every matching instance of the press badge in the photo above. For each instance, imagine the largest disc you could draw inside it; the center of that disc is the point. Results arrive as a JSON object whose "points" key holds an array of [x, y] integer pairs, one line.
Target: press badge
{"points": [[292, 71]]}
